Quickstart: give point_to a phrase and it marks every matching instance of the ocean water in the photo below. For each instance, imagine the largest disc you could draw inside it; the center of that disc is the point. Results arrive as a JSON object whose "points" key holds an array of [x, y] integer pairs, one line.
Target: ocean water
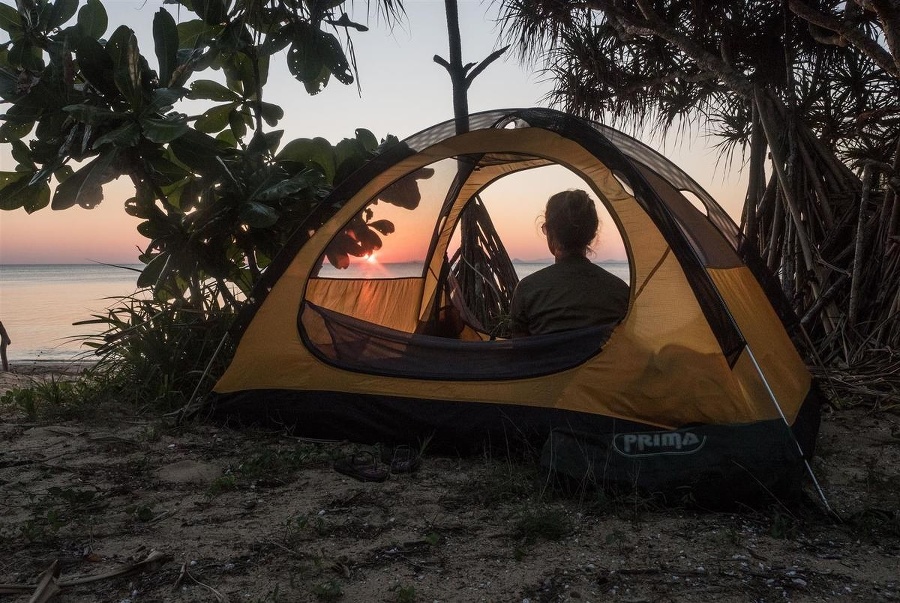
{"points": [[40, 303]]}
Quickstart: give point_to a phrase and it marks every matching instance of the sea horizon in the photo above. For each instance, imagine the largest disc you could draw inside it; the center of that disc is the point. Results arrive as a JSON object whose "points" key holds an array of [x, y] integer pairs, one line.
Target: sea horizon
{"points": [[39, 303]]}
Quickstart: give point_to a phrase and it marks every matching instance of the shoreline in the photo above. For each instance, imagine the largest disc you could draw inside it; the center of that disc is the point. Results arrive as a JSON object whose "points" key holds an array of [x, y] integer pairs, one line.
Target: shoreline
{"points": [[39, 366], [28, 373]]}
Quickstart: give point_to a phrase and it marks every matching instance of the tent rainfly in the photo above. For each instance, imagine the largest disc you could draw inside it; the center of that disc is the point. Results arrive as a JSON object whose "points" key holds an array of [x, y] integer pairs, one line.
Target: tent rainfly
{"points": [[698, 387]]}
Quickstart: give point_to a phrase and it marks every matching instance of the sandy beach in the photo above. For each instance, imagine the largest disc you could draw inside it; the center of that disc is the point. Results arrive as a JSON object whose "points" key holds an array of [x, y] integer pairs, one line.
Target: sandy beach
{"points": [[25, 372], [131, 507]]}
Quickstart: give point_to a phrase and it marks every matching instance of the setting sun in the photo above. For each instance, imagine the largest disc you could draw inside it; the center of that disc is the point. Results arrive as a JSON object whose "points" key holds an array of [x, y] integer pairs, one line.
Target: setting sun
{"points": [[371, 258]]}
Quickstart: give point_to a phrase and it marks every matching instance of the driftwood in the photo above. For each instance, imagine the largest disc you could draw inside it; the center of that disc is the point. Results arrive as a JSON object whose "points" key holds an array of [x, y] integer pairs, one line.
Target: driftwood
{"points": [[49, 583]]}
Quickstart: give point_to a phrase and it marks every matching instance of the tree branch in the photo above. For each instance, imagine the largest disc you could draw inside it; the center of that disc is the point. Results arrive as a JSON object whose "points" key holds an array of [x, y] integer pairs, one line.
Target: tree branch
{"points": [[651, 24], [855, 36]]}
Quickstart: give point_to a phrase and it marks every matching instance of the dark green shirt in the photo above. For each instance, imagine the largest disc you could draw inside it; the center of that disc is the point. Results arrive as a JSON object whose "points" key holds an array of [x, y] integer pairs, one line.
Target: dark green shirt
{"points": [[571, 294]]}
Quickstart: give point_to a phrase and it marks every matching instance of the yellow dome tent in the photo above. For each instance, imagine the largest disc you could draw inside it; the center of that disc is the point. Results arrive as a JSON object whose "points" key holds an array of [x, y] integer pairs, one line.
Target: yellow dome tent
{"points": [[699, 382]]}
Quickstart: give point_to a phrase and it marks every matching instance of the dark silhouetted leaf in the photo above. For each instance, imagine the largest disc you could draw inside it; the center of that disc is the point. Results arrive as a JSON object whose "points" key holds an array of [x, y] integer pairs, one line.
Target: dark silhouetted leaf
{"points": [[271, 113], [96, 66], [85, 186], [93, 115], [123, 49], [93, 20], [21, 153], [161, 99], [198, 151], [311, 150], [285, 188], [165, 42], [366, 139], [162, 131], [197, 34], [385, 227], [210, 90], [10, 19], [215, 119], [258, 215], [23, 54], [405, 192], [126, 135], [11, 131], [62, 11], [154, 272], [212, 12]]}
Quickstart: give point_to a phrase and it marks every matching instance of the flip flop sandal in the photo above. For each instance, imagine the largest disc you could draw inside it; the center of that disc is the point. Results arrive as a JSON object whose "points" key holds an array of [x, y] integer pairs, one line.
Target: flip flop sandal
{"points": [[402, 459], [361, 466]]}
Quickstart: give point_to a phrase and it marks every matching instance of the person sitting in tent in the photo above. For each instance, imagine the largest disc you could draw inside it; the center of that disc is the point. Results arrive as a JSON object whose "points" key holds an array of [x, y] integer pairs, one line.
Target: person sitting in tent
{"points": [[573, 292]]}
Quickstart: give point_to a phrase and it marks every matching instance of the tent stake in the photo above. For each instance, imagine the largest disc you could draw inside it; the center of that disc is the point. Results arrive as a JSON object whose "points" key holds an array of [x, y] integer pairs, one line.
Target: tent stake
{"points": [[791, 432]]}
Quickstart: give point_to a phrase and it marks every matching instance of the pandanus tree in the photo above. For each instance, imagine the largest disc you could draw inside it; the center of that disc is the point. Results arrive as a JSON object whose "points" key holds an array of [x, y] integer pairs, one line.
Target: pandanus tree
{"points": [[806, 91]]}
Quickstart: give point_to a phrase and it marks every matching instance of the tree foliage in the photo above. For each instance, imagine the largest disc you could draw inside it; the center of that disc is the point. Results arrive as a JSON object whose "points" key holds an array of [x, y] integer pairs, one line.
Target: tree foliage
{"points": [[806, 90], [218, 193]]}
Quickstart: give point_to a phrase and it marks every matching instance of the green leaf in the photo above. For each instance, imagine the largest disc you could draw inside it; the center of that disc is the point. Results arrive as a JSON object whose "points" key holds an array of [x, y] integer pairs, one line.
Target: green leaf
{"points": [[366, 139], [62, 11], [15, 192], [11, 184], [11, 131], [92, 19], [310, 150], [21, 153], [257, 215], [318, 83], [228, 138], [166, 172], [271, 113], [96, 66], [212, 12], [126, 135], [165, 41], [284, 188], [349, 150], [63, 173], [23, 54], [93, 115], [123, 49], [303, 61], [241, 74], [163, 98], [154, 271], [273, 140], [210, 90], [10, 19], [215, 119], [334, 58], [278, 40], [198, 151], [238, 121], [85, 187], [258, 144], [162, 131], [197, 34]]}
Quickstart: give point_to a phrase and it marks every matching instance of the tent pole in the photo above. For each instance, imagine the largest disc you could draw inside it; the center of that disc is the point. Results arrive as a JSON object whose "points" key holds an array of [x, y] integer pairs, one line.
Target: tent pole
{"points": [[790, 431]]}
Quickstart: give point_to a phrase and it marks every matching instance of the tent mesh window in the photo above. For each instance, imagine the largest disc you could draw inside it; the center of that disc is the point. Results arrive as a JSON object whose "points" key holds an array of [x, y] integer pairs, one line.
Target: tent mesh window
{"points": [[362, 346]]}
